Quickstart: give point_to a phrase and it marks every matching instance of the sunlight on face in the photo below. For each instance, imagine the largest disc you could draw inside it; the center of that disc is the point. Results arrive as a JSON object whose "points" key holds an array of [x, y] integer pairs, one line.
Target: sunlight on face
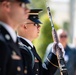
{"points": [[33, 30]]}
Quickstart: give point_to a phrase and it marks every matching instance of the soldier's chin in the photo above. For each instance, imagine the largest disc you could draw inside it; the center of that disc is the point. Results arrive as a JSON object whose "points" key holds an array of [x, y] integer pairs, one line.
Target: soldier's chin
{"points": [[26, 16], [36, 37]]}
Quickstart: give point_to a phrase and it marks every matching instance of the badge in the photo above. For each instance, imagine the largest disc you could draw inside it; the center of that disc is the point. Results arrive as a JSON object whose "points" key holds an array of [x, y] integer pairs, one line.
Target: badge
{"points": [[36, 60], [15, 56]]}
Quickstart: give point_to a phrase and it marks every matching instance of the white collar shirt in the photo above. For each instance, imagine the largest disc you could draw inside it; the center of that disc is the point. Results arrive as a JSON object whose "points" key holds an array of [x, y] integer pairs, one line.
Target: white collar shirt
{"points": [[27, 41]]}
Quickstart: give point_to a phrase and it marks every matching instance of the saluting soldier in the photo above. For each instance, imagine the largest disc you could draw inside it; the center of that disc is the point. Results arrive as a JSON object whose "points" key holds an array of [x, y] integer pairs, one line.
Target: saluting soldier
{"points": [[27, 33], [12, 13]]}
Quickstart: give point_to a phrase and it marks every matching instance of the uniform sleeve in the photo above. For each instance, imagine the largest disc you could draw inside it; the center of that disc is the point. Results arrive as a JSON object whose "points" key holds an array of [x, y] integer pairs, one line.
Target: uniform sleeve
{"points": [[50, 63]]}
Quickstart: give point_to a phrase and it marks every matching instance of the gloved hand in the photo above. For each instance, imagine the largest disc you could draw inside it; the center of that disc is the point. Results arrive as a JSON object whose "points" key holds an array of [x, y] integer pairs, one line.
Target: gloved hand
{"points": [[59, 46]]}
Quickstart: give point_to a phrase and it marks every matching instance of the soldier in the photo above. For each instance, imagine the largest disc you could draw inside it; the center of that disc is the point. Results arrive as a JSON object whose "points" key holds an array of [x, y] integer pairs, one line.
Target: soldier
{"points": [[27, 57], [27, 33], [12, 13]]}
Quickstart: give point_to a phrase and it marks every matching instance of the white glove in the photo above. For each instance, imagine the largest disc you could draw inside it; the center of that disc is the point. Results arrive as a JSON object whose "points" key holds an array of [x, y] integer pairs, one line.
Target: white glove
{"points": [[60, 46]]}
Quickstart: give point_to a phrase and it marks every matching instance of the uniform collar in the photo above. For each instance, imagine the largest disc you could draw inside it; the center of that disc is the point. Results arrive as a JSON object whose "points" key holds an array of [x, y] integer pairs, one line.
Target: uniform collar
{"points": [[28, 41], [10, 31]]}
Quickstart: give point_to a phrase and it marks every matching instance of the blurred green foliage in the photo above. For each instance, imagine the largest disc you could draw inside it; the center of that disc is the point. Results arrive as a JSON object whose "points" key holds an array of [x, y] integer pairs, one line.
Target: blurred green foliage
{"points": [[45, 36], [65, 26], [40, 4]]}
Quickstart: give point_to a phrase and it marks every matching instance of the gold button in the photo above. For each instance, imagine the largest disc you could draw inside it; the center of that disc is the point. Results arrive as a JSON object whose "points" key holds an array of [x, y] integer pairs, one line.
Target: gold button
{"points": [[35, 58], [7, 37], [25, 71], [37, 69], [18, 68]]}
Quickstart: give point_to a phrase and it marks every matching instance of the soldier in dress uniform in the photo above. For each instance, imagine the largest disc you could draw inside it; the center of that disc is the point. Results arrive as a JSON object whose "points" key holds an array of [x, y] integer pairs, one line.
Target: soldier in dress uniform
{"points": [[12, 13], [27, 33], [27, 56]]}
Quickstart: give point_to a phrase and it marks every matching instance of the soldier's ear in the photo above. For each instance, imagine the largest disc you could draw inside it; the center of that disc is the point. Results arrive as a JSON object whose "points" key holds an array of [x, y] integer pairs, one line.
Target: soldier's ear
{"points": [[25, 26]]}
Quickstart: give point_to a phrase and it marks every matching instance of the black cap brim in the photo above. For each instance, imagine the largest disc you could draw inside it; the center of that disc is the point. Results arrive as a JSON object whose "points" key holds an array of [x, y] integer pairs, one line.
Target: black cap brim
{"points": [[35, 10], [37, 21], [25, 1]]}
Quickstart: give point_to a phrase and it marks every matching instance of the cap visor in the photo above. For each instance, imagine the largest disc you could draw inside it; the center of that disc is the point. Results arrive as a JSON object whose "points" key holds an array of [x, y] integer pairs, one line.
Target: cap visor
{"points": [[37, 21]]}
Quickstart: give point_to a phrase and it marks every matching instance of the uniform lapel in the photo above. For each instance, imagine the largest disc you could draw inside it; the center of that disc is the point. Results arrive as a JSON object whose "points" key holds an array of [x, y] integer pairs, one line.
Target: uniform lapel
{"points": [[5, 34], [15, 47], [9, 39], [33, 49], [25, 42], [35, 53]]}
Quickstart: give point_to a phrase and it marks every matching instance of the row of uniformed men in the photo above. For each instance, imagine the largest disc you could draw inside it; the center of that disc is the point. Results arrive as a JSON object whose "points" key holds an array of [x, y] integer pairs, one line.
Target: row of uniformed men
{"points": [[18, 56]]}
